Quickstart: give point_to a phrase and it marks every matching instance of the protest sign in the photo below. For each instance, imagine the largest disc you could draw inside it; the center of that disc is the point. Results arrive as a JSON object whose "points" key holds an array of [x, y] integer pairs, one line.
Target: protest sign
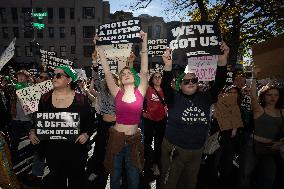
{"points": [[228, 113], [196, 38], [204, 67], [119, 32], [113, 65], [230, 78], [246, 103], [57, 125], [7, 54], [30, 96], [156, 68], [81, 74], [52, 61], [34, 72], [118, 50], [157, 47]]}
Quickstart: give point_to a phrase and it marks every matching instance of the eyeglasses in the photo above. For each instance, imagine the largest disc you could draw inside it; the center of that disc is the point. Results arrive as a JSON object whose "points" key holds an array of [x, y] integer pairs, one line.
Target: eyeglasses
{"points": [[187, 81], [59, 75]]}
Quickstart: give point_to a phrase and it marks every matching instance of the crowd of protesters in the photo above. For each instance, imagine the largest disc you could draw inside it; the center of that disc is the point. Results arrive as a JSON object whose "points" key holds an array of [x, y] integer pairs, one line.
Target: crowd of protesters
{"points": [[145, 128]]}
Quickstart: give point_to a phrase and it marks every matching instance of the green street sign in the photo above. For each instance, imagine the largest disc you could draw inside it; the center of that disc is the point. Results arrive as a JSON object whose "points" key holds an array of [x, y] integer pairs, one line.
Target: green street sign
{"points": [[39, 15], [38, 25]]}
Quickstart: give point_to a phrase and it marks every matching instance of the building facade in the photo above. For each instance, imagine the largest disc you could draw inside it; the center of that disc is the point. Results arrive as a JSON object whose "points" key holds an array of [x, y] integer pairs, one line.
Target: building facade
{"points": [[69, 27]]}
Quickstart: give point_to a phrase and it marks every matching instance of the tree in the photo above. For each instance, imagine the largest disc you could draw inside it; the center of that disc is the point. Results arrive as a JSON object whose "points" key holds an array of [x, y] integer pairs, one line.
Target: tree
{"points": [[242, 22]]}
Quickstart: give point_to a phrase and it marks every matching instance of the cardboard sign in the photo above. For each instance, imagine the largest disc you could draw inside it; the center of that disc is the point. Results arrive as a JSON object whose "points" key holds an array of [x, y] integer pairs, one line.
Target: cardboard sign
{"points": [[57, 125], [118, 50], [52, 61], [30, 96], [119, 32], [7, 54], [157, 47], [196, 39], [228, 113], [204, 67]]}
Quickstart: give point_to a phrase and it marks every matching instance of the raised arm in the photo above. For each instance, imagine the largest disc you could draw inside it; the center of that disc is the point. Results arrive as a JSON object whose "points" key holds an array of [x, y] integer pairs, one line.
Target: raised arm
{"points": [[221, 73], [144, 65], [256, 107], [113, 88], [167, 77]]}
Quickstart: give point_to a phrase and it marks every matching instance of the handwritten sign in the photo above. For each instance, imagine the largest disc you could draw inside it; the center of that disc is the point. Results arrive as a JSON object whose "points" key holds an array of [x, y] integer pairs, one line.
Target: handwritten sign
{"points": [[204, 67], [30, 96]]}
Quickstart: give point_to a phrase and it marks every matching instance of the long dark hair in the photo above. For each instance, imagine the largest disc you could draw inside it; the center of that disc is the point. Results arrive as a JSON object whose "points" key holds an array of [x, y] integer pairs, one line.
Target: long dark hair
{"points": [[151, 83], [264, 90]]}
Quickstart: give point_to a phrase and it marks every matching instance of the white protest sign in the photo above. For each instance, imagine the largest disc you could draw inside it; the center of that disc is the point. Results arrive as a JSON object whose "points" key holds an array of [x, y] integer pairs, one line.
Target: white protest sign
{"points": [[204, 67], [118, 50], [30, 96], [52, 61], [7, 54], [81, 73]]}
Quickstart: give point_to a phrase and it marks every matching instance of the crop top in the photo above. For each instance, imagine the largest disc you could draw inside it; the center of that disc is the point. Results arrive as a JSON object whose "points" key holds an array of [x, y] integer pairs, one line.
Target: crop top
{"points": [[128, 113]]}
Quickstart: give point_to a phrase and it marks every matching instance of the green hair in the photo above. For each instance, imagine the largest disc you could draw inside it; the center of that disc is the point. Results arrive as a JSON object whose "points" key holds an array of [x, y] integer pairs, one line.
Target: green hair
{"points": [[136, 77], [178, 81]]}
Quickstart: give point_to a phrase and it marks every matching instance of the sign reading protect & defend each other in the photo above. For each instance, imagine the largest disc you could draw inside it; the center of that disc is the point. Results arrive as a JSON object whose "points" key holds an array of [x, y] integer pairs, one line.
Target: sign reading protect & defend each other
{"points": [[57, 125]]}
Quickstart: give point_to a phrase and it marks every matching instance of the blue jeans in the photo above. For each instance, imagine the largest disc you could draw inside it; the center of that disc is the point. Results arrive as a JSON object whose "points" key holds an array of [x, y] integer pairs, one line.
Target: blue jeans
{"points": [[131, 170]]}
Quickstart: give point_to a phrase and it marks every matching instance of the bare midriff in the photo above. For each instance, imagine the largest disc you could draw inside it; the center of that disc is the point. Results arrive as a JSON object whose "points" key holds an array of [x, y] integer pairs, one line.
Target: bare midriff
{"points": [[126, 129], [109, 117]]}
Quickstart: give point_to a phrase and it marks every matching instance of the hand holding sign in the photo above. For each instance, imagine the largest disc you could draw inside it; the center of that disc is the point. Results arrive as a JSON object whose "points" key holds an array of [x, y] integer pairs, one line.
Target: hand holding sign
{"points": [[222, 59], [82, 138], [33, 138]]}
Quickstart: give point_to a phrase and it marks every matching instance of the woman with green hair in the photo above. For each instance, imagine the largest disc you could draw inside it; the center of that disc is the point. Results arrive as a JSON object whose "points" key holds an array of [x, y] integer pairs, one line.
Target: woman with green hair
{"points": [[125, 137]]}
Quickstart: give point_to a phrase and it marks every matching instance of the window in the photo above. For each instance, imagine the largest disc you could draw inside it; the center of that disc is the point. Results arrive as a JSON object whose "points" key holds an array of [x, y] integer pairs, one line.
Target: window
{"points": [[73, 31], [73, 50], [51, 32], [16, 32], [51, 48], [149, 31], [29, 33], [27, 17], [14, 12], [62, 51], [88, 50], [72, 13], [62, 32], [5, 32], [3, 15], [28, 51], [89, 31], [88, 12], [18, 51], [61, 13], [40, 33], [157, 31], [50, 13]]}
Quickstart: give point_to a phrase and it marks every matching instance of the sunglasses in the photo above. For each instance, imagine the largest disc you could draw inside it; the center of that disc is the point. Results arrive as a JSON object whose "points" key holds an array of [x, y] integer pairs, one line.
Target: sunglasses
{"points": [[59, 75], [187, 81]]}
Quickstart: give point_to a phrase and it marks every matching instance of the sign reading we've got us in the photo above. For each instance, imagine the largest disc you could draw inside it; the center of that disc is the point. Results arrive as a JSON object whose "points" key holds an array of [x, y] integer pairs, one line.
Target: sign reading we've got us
{"points": [[119, 32], [197, 39], [57, 126]]}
